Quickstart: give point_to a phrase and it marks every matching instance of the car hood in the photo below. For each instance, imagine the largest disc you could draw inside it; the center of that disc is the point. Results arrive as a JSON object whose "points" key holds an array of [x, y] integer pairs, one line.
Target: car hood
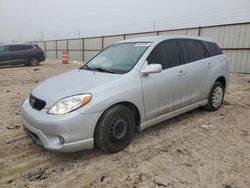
{"points": [[71, 83]]}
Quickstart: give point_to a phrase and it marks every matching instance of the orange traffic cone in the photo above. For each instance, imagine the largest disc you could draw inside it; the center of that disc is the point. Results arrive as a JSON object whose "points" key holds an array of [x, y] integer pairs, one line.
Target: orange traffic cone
{"points": [[65, 57]]}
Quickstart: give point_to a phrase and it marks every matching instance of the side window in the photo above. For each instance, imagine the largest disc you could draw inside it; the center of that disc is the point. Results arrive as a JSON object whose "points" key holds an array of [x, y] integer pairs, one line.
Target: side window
{"points": [[170, 52], [166, 54], [212, 48], [26, 47], [14, 48], [4, 49], [192, 50], [155, 57], [19, 47]]}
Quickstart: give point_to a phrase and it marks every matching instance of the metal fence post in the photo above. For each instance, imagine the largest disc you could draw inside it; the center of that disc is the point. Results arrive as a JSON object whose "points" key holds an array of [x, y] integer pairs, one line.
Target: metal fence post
{"points": [[45, 51], [67, 46], [102, 42], [199, 31], [83, 49], [56, 50]]}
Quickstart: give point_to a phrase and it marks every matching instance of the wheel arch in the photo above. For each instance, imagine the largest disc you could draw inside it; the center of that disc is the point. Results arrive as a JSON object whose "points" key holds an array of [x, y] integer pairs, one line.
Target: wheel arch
{"points": [[222, 80], [128, 104], [30, 56]]}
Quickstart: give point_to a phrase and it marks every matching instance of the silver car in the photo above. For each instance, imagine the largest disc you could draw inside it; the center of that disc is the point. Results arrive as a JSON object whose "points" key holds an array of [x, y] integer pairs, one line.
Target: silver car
{"points": [[131, 85]]}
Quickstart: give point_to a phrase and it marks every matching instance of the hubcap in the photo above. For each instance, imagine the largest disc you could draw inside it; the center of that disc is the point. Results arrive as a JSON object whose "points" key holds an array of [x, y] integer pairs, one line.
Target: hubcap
{"points": [[33, 61], [118, 129], [217, 97]]}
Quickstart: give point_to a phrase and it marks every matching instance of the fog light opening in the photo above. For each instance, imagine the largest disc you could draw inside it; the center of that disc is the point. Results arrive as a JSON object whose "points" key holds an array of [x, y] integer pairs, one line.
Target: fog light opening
{"points": [[61, 139]]}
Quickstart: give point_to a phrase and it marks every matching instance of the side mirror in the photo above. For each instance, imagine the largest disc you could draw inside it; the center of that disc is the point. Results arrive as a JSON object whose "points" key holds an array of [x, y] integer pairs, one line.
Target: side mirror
{"points": [[151, 68]]}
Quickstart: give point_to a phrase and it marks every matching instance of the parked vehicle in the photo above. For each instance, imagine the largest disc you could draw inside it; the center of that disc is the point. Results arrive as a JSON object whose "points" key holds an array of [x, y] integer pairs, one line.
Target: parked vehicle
{"points": [[28, 54], [133, 84]]}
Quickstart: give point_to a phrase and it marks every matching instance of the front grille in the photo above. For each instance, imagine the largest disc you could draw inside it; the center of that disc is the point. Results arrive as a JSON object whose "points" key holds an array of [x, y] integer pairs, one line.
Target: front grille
{"points": [[36, 103]]}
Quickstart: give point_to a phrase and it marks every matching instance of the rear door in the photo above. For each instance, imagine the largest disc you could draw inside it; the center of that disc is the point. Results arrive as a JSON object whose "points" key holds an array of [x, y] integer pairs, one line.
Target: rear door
{"points": [[5, 55], [215, 62], [164, 92], [196, 59], [19, 53]]}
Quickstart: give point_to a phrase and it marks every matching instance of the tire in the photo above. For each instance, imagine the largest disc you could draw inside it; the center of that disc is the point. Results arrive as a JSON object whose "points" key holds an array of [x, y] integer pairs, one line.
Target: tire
{"points": [[33, 61], [115, 129], [215, 97]]}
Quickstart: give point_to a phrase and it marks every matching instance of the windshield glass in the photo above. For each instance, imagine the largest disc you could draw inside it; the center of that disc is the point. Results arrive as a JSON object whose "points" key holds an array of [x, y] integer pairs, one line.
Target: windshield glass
{"points": [[118, 58], [4, 49]]}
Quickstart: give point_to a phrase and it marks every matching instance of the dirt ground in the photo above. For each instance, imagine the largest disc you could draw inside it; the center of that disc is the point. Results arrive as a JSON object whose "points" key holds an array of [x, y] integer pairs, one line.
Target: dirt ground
{"points": [[197, 149]]}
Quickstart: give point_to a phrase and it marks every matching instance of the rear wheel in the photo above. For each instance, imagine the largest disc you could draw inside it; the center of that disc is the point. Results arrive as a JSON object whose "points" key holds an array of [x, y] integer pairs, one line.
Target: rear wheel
{"points": [[115, 129], [33, 61], [216, 97]]}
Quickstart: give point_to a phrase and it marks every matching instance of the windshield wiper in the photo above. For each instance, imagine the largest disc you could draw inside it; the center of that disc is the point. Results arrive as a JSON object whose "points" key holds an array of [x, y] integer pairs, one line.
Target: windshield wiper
{"points": [[103, 70], [88, 67], [100, 69]]}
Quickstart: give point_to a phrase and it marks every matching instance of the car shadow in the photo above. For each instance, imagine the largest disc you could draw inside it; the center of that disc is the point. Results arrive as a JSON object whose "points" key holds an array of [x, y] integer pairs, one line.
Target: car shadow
{"points": [[17, 66], [95, 152]]}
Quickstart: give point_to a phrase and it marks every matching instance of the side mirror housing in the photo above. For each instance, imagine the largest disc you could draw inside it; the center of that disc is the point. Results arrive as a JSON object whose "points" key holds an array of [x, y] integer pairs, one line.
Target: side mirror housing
{"points": [[151, 69]]}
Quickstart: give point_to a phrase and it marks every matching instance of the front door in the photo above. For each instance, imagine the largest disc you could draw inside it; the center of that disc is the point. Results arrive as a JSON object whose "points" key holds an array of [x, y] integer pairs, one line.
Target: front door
{"points": [[5, 55], [165, 91]]}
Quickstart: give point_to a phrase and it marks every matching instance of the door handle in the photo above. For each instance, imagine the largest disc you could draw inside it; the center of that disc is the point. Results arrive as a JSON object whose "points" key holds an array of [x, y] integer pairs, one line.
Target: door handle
{"points": [[181, 73], [209, 65]]}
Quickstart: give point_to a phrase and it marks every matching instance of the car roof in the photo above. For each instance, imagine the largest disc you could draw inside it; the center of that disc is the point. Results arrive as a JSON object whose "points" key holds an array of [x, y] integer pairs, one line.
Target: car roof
{"points": [[17, 44], [165, 37]]}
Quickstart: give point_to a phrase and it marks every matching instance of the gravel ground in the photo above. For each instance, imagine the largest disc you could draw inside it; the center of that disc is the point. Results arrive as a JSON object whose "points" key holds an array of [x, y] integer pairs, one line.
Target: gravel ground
{"points": [[196, 149]]}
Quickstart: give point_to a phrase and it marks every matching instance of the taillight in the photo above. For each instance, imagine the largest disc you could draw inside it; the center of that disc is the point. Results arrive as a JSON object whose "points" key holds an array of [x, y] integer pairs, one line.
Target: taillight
{"points": [[37, 47]]}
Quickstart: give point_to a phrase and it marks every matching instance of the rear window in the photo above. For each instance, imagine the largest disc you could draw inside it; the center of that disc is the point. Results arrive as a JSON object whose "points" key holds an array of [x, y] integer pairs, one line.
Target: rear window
{"points": [[192, 50], [212, 48]]}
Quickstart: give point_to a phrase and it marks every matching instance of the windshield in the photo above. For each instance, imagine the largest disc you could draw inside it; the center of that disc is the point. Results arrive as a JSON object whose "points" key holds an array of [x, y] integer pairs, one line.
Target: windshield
{"points": [[118, 58], [4, 49]]}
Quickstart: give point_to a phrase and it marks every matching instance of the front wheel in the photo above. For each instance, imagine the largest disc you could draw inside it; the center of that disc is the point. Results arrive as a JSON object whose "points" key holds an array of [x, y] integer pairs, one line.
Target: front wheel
{"points": [[216, 97], [33, 61], [115, 129]]}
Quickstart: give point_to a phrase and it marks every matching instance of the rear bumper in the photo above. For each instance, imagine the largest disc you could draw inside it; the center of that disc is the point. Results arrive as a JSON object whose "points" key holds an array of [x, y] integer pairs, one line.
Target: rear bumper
{"points": [[63, 133], [41, 57]]}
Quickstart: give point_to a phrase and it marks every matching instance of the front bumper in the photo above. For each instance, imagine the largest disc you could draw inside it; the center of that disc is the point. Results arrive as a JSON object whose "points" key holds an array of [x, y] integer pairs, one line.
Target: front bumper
{"points": [[64, 133]]}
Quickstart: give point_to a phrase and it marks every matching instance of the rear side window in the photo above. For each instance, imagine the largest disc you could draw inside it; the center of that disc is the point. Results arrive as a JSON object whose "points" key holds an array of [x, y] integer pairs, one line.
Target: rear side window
{"points": [[212, 48], [192, 50], [27, 47], [166, 54], [20, 47]]}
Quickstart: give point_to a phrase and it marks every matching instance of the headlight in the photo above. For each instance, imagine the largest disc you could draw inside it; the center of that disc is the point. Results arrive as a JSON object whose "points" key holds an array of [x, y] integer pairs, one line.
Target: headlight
{"points": [[69, 104]]}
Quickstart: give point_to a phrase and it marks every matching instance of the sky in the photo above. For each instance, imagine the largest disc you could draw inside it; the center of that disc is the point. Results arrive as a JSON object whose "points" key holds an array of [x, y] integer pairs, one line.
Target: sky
{"points": [[34, 20]]}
